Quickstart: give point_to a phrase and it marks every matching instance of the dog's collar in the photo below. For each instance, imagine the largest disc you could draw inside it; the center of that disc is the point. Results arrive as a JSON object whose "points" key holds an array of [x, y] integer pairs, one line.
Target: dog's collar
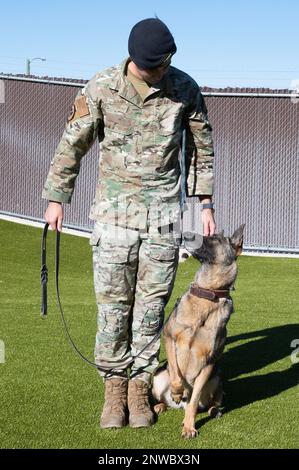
{"points": [[210, 294]]}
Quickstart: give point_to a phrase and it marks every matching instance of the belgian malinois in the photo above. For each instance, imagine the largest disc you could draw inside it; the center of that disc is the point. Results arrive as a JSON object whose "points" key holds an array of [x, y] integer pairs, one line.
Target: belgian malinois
{"points": [[196, 332]]}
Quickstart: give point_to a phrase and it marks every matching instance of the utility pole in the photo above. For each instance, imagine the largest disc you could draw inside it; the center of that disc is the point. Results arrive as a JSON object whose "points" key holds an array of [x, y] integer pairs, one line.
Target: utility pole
{"points": [[28, 62]]}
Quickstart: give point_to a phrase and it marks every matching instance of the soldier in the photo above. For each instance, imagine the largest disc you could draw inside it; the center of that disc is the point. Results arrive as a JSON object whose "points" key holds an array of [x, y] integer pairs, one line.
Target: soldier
{"points": [[137, 111]]}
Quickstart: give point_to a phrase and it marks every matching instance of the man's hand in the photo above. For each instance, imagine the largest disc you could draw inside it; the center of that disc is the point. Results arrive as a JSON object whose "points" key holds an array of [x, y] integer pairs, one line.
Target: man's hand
{"points": [[207, 217], [209, 225], [54, 215]]}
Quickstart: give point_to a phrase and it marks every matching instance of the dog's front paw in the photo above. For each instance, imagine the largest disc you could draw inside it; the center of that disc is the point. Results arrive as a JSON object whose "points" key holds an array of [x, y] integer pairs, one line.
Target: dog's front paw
{"points": [[189, 432]]}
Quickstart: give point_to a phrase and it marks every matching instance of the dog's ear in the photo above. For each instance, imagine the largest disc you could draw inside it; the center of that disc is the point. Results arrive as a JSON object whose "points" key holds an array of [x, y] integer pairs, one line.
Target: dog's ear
{"points": [[236, 240]]}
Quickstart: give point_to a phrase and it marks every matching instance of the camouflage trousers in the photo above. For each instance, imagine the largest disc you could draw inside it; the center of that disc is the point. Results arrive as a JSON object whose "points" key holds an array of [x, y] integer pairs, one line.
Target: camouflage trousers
{"points": [[134, 273]]}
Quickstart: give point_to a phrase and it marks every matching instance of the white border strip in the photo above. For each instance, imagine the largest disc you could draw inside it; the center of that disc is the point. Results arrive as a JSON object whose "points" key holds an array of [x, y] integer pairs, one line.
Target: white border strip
{"points": [[69, 231], [80, 233]]}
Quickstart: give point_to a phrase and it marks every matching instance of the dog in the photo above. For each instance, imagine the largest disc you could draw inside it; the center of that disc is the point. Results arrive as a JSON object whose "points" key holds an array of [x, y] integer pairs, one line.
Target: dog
{"points": [[195, 334]]}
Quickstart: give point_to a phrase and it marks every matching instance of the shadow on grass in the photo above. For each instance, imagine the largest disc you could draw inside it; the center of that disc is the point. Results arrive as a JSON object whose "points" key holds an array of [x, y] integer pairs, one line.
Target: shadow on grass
{"points": [[265, 347], [242, 392]]}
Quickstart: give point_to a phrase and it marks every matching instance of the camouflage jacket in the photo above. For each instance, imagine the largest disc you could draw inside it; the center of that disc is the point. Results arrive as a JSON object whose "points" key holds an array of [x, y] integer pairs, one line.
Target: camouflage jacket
{"points": [[139, 168]]}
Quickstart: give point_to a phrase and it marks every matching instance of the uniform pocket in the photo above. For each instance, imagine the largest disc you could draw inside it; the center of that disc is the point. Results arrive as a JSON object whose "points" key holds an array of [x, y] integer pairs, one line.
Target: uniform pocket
{"points": [[116, 257], [163, 254], [118, 127], [112, 321], [167, 131], [152, 320], [170, 121], [118, 122], [113, 274], [117, 130], [117, 137], [169, 136]]}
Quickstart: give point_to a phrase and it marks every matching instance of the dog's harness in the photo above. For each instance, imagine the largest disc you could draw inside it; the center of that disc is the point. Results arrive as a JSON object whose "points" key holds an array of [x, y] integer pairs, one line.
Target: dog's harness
{"points": [[210, 294]]}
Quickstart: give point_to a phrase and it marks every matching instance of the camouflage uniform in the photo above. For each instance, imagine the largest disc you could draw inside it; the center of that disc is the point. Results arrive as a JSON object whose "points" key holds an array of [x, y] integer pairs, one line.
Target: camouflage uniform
{"points": [[137, 193]]}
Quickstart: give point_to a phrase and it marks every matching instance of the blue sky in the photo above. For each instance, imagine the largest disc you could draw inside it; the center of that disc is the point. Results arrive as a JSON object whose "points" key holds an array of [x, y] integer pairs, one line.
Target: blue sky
{"points": [[220, 43]]}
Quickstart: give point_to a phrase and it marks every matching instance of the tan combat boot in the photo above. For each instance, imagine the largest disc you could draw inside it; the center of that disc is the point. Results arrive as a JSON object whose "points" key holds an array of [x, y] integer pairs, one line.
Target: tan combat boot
{"points": [[114, 410], [140, 413]]}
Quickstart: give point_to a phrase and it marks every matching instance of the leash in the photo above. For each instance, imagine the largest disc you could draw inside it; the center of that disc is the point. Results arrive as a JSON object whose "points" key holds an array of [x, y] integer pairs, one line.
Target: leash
{"points": [[183, 173], [44, 307]]}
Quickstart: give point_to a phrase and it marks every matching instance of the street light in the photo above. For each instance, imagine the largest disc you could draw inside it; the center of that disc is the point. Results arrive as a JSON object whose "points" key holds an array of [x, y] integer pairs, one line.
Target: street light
{"points": [[28, 62]]}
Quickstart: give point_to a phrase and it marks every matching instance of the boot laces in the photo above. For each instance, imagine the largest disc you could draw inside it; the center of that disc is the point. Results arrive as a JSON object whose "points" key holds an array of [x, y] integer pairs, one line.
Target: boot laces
{"points": [[116, 395], [141, 400]]}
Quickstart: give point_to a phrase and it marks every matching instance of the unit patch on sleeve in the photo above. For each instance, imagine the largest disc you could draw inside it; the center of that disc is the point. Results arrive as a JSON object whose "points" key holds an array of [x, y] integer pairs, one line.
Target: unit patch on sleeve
{"points": [[79, 109], [81, 106]]}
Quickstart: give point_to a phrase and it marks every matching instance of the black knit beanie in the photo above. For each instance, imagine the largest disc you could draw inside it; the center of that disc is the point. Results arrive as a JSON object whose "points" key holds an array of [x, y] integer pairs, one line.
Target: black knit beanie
{"points": [[151, 43]]}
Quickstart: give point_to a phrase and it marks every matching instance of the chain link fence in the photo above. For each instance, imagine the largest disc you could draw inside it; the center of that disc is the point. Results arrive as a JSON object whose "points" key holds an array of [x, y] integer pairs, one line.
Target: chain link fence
{"points": [[256, 164]]}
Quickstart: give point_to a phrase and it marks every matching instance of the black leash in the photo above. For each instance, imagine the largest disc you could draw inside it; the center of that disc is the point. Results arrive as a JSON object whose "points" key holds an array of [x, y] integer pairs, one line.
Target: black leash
{"points": [[44, 279]]}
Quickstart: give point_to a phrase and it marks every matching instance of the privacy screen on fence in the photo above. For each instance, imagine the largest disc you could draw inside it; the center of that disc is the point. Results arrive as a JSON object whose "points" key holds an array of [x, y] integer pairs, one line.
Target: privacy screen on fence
{"points": [[256, 159]]}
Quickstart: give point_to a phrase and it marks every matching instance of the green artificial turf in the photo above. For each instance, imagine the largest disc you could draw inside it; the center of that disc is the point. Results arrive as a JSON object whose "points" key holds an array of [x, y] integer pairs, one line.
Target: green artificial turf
{"points": [[52, 399]]}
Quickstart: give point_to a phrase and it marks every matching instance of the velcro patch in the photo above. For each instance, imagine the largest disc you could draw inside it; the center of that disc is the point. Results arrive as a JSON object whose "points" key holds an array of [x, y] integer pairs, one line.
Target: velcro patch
{"points": [[79, 109], [81, 106]]}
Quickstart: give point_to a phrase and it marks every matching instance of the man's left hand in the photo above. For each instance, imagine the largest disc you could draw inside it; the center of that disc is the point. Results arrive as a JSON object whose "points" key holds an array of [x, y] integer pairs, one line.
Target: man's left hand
{"points": [[209, 225]]}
